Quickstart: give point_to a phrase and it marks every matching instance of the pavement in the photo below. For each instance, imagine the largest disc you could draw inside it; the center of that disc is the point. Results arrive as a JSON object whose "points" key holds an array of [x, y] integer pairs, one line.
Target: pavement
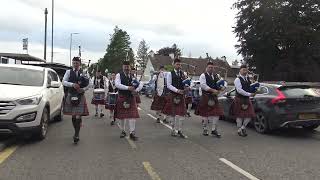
{"points": [[101, 154]]}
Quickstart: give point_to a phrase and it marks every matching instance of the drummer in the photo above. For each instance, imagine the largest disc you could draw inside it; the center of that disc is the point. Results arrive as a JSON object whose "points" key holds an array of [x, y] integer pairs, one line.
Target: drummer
{"points": [[98, 84], [111, 89]]}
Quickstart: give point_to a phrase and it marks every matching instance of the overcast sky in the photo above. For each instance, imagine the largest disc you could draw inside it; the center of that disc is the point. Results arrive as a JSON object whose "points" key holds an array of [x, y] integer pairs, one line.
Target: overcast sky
{"points": [[196, 26]]}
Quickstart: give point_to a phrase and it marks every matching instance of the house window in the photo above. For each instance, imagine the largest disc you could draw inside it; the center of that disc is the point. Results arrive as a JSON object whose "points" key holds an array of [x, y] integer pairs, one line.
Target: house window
{"points": [[4, 61]]}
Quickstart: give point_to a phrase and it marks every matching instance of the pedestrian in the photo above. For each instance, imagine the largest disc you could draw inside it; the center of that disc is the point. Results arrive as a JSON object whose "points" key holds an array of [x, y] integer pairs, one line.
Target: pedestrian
{"points": [[98, 98], [209, 108], [75, 103], [242, 107], [112, 97], [159, 99], [175, 100], [126, 107]]}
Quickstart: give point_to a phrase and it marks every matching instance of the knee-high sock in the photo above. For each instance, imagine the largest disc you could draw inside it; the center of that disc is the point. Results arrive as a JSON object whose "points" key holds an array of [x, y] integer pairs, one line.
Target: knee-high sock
{"points": [[214, 120], [101, 108], [245, 122], [123, 124], [111, 113], [180, 120], [97, 108], [173, 122], [76, 120], [239, 122], [158, 114], [205, 123], [132, 125]]}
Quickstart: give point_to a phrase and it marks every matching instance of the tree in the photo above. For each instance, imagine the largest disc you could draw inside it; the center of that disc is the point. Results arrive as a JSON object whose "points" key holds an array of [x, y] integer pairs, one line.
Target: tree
{"points": [[280, 38], [166, 51], [117, 51], [142, 54]]}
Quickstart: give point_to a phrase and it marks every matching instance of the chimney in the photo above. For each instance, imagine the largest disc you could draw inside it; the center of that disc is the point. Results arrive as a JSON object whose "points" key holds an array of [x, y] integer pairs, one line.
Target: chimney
{"points": [[171, 55]]}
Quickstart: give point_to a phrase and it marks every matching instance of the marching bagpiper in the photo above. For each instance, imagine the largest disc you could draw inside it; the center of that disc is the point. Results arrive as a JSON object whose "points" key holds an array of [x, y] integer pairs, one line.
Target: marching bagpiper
{"points": [[75, 102], [112, 96], [242, 107], [98, 98], [126, 106], [209, 107], [159, 99], [175, 100]]}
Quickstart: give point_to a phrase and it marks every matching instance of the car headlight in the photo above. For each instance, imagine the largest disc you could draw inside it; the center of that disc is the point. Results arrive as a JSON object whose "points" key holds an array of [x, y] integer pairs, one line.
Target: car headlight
{"points": [[34, 100], [27, 117]]}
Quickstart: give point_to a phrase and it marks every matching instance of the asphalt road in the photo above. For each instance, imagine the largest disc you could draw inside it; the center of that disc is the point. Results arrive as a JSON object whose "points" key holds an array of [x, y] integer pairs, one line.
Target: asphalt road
{"points": [[101, 154]]}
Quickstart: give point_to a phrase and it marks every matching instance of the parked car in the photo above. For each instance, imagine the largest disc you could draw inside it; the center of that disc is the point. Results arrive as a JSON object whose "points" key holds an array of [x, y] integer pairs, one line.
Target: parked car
{"points": [[30, 97], [149, 89], [280, 106]]}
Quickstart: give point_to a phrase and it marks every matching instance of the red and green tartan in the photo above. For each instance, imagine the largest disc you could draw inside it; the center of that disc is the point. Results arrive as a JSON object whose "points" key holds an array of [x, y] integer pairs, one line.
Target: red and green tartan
{"points": [[123, 113], [79, 110]]}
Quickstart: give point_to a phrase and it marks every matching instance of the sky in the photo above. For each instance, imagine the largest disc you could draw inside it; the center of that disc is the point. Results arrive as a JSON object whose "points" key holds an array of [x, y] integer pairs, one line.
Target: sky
{"points": [[196, 26]]}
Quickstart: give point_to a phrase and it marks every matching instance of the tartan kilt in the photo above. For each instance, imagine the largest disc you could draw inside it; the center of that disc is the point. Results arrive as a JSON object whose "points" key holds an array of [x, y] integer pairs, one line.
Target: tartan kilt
{"points": [[172, 109], [188, 99], [158, 102], [101, 101], [238, 112], [123, 113], [138, 99], [204, 110], [80, 110]]}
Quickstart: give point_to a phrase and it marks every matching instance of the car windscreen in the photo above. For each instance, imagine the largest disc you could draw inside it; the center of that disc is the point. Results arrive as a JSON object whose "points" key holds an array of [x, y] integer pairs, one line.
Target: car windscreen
{"points": [[21, 76], [299, 91]]}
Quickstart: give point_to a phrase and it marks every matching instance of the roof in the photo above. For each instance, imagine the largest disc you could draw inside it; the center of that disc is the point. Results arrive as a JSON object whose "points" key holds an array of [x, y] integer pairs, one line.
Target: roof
{"points": [[195, 66], [53, 65], [22, 66], [22, 57]]}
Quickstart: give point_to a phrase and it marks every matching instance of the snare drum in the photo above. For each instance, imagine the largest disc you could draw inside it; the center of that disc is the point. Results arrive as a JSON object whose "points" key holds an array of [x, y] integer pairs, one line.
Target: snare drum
{"points": [[112, 99], [98, 94]]}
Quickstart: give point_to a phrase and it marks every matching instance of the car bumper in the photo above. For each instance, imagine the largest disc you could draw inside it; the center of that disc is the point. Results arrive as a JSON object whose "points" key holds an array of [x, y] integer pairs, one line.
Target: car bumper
{"points": [[12, 128]]}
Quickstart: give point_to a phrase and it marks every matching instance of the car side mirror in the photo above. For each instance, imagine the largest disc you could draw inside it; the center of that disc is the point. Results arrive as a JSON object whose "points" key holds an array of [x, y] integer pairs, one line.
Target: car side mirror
{"points": [[55, 84]]}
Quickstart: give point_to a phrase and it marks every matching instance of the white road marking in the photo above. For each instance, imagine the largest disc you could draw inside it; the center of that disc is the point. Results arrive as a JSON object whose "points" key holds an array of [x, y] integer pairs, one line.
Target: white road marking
{"points": [[241, 171], [166, 125]]}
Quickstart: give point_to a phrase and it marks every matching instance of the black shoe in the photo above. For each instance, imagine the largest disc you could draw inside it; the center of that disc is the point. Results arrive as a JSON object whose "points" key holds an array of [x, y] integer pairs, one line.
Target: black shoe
{"points": [[112, 123], [158, 120], [240, 133], [188, 114], [123, 134], [215, 133], [101, 115], [182, 135], [173, 133], [205, 133], [244, 132], [133, 137], [76, 139], [96, 115], [165, 121]]}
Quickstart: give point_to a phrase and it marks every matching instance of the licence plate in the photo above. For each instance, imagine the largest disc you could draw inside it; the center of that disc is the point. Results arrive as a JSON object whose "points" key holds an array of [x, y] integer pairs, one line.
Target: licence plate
{"points": [[308, 116]]}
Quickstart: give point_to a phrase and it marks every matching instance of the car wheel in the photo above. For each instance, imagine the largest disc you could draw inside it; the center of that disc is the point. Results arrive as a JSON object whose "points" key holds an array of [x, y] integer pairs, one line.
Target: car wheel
{"points": [[43, 128], [261, 123], [312, 127], [60, 116]]}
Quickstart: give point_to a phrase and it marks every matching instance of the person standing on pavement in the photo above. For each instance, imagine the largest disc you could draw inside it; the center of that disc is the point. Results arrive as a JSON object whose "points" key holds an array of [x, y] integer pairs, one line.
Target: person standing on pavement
{"points": [[112, 89], [242, 107], [126, 106], [209, 108], [98, 83], [75, 103], [159, 99], [175, 106]]}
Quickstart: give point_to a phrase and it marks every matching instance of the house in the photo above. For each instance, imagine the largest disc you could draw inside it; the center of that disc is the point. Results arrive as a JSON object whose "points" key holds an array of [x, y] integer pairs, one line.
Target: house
{"points": [[195, 67]]}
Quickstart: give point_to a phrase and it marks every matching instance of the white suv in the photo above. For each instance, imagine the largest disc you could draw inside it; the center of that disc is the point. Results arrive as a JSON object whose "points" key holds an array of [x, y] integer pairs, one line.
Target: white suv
{"points": [[30, 97]]}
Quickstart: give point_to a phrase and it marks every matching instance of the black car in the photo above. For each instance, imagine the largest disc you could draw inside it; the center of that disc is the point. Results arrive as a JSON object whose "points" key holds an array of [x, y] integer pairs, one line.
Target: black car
{"points": [[280, 106]]}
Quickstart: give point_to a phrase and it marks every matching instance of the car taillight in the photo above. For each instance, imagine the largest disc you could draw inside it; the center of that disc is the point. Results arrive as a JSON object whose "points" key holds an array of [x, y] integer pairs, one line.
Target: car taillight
{"points": [[281, 98]]}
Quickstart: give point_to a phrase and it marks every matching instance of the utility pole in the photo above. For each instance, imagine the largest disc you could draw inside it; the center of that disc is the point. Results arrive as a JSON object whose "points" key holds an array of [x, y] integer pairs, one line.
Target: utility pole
{"points": [[52, 32], [45, 33]]}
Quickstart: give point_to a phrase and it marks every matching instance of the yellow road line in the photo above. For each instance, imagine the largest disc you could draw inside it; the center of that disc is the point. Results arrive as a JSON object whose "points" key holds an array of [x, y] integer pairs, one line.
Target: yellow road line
{"points": [[6, 153], [151, 172]]}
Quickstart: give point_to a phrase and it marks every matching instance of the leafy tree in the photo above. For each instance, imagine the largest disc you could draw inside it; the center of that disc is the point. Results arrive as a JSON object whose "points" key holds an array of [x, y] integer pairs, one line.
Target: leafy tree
{"points": [[117, 51], [281, 38], [166, 51], [142, 54]]}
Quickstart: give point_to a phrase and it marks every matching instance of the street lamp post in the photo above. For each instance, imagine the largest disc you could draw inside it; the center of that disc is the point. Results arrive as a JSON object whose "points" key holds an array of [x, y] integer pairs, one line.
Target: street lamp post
{"points": [[71, 45], [52, 32]]}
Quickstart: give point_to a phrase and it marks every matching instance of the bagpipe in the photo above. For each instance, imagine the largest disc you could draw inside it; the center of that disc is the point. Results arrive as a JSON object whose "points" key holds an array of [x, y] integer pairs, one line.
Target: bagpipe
{"points": [[255, 86], [83, 81], [221, 84]]}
